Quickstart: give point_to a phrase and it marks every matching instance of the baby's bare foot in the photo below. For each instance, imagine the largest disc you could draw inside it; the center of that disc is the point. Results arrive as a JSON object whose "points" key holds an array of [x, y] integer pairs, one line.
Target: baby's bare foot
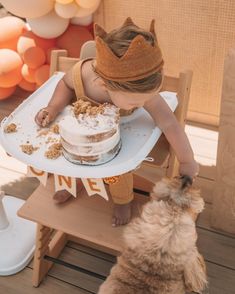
{"points": [[121, 214]]}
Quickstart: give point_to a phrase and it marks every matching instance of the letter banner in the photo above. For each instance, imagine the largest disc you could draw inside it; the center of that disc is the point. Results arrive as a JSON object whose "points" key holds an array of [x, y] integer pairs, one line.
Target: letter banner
{"points": [[95, 186], [66, 183], [39, 174]]}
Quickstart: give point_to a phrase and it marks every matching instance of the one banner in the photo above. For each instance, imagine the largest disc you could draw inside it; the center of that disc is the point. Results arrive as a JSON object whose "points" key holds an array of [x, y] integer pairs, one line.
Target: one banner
{"points": [[95, 186], [39, 174], [66, 183]]}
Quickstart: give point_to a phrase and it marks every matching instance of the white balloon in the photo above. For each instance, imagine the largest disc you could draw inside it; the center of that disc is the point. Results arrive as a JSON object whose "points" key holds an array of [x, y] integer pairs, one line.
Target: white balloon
{"points": [[82, 12], [82, 21], [48, 26], [28, 8], [87, 3], [66, 11]]}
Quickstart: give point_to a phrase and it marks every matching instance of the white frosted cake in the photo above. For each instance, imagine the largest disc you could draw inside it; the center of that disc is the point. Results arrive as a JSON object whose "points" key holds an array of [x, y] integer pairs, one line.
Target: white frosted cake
{"points": [[91, 134]]}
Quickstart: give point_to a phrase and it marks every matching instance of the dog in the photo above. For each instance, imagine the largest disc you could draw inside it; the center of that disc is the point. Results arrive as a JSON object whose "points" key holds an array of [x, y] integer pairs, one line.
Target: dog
{"points": [[160, 254]]}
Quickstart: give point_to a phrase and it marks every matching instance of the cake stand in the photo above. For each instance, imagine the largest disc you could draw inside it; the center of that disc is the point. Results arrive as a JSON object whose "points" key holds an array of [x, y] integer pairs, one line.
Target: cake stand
{"points": [[17, 236]]}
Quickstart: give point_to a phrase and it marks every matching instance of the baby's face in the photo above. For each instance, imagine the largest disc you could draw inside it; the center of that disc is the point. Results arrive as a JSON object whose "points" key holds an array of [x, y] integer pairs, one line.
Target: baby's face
{"points": [[128, 100]]}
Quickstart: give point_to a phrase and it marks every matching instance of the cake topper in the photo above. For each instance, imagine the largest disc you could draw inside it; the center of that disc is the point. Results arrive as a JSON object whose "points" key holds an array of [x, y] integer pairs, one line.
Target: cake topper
{"points": [[139, 61]]}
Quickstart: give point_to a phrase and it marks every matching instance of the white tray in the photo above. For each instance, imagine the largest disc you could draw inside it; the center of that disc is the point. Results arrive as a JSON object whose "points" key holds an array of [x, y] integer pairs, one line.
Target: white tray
{"points": [[138, 135]]}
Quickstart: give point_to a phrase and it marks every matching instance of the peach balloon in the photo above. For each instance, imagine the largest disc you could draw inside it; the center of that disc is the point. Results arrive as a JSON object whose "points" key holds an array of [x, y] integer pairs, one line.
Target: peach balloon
{"points": [[48, 26], [29, 39], [28, 73], [28, 8], [82, 12], [42, 74], [25, 85], [83, 21], [11, 28], [48, 54], [66, 11], [73, 39], [34, 57], [10, 68], [88, 3], [6, 92]]}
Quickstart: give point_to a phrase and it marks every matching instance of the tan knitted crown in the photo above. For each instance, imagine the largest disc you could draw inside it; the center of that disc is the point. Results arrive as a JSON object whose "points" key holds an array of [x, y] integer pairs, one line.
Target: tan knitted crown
{"points": [[140, 60]]}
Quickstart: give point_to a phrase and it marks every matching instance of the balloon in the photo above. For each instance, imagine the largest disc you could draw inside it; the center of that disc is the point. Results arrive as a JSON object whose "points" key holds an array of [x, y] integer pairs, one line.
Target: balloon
{"points": [[83, 21], [66, 11], [48, 26], [34, 57], [82, 12], [28, 8], [10, 68], [25, 85], [88, 3], [29, 39], [6, 92], [48, 54], [11, 28], [73, 39], [64, 1], [42, 74], [28, 73]]}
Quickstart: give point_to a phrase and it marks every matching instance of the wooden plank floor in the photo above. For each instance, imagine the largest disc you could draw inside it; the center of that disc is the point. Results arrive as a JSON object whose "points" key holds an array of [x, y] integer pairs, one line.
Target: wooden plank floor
{"points": [[218, 248]]}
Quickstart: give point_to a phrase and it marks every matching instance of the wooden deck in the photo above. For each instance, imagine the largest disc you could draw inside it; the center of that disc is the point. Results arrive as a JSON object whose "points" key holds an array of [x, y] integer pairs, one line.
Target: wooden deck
{"points": [[218, 248]]}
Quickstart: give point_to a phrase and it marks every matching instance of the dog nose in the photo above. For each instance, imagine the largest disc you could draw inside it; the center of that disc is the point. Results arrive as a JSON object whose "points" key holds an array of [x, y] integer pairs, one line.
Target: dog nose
{"points": [[186, 181]]}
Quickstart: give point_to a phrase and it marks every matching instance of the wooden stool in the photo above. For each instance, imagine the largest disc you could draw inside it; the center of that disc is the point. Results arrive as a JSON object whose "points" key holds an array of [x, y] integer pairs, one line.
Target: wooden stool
{"points": [[86, 220]]}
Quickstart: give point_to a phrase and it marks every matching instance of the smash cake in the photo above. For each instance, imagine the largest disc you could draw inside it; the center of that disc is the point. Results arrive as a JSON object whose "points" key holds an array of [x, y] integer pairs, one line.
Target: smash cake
{"points": [[91, 134]]}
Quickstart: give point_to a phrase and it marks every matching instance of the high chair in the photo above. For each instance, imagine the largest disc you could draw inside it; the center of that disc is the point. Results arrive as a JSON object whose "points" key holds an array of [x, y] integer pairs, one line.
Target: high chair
{"points": [[87, 220]]}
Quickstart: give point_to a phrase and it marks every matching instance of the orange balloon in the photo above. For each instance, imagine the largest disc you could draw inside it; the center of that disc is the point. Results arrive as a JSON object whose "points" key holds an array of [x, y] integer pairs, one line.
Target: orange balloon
{"points": [[10, 44], [73, 39], [10, 68], [25, 85], [28, 73], [48, 54], [11, 27], [29, 39], [42, 74], [34, 57], [6, 92]]}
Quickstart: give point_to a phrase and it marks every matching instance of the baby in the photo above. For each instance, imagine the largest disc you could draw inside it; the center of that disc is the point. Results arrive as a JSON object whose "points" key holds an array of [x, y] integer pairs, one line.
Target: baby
{"points": [[127, 72]]}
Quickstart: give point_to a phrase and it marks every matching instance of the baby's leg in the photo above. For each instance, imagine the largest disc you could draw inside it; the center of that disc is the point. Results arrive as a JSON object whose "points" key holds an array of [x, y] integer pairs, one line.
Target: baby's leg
{"points": [[63, 195], [122, 195]]}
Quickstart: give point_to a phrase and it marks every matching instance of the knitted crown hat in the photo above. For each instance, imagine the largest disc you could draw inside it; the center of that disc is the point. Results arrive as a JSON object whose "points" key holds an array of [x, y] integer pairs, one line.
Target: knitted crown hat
{"points": [[139, 61]]}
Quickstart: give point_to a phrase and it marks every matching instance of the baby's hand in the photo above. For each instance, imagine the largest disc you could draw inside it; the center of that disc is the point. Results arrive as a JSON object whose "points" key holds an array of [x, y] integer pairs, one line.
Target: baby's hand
{"points": [[45, 116], [190, 169]]}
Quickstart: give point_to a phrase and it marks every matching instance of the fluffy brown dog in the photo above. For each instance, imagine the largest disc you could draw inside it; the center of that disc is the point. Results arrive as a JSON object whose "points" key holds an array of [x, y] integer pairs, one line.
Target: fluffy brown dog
{"points": [[160, 254]]}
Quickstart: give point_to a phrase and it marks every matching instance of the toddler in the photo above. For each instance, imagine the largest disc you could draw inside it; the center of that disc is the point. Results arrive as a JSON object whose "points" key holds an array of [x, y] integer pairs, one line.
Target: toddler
{"points": [[127, 72]]}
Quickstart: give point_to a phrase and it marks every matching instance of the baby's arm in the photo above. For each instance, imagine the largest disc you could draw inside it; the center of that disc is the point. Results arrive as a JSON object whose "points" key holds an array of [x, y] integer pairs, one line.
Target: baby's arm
{"points": [[167, 122], [61, 97]]}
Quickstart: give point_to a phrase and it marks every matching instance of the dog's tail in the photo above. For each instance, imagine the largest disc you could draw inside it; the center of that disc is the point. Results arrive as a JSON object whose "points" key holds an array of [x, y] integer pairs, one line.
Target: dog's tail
{"points": [[179, 191]]}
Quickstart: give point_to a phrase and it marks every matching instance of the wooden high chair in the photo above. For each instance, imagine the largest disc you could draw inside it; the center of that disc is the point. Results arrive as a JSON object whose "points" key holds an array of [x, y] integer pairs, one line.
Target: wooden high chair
{"points": [[164, 159], [86, 220]]}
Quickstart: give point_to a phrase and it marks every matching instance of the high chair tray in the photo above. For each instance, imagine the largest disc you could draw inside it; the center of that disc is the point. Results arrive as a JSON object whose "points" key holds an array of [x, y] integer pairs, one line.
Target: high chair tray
{"points": [[138, 135]]}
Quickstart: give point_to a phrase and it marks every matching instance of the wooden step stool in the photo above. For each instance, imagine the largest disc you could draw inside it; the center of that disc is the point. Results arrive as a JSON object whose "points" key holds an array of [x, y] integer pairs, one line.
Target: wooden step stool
{"points": [[85, 220]]}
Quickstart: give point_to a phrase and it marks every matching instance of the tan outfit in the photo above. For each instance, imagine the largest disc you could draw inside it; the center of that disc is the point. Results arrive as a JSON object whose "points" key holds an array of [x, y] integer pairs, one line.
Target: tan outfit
{"points": [[122, 190]]}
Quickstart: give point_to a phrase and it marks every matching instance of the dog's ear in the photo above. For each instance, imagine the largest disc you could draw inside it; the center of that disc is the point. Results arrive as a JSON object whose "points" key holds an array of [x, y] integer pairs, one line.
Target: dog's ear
{"points": [[161, 190], [195, 274]]}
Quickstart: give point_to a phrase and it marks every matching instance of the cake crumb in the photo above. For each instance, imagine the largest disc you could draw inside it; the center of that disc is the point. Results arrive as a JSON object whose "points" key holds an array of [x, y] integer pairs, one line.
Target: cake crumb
{"points": [[54, 151], [42, 133], [55, 129], [28, 148], [11, 128]]}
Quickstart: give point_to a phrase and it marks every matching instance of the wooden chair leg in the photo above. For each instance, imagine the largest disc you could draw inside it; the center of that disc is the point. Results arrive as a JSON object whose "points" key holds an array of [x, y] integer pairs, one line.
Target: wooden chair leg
{"points": [[46, 245], [41, 266]]}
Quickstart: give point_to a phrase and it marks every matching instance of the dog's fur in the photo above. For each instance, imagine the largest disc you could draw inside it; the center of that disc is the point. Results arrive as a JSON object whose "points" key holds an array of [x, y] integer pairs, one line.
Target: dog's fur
{"points": [[160, 254]]}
